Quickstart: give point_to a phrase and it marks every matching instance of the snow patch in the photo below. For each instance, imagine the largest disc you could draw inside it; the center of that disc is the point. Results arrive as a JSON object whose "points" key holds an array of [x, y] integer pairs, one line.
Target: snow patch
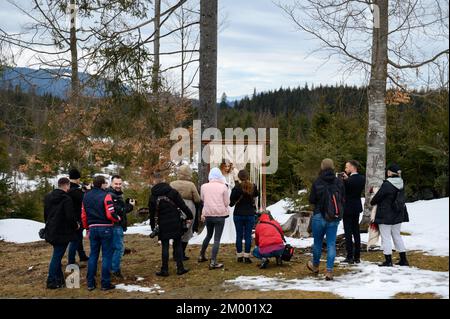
{"points": [[20, 231], [367, 281], [135, 288]]}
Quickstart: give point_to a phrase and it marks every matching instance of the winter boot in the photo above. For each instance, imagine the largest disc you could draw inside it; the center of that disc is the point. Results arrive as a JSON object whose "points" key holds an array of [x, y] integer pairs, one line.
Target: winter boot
{"points": [[110, 287], [240, 257], [182, 271], [314, 269], [387, 262], [329, 275], [162, 273], [264, 263], [247, 259], [403, 261]]}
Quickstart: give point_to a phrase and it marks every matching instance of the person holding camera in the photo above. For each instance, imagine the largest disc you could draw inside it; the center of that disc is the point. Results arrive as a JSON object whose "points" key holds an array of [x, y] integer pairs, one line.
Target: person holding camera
{"points": [[354, 186], [98, 216], [191, 197], [122, 208], [390, 214], [170, 218], [60, 228], [269, 240], [76, 193]]}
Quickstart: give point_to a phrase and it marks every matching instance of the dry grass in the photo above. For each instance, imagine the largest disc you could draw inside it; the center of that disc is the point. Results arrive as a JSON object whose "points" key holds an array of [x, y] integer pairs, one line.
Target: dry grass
{"points": [[16, 281], [405, 295]]}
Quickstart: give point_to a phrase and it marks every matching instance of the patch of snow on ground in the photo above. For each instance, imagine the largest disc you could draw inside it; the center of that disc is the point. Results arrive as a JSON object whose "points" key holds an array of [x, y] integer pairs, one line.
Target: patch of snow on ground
{"points": [[136, 288], [367, 281], [20, 231]]}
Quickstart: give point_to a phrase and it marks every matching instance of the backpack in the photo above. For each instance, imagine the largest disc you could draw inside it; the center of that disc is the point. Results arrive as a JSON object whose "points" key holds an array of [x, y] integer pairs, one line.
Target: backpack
{"points": [[331, 201], [399, 204]]}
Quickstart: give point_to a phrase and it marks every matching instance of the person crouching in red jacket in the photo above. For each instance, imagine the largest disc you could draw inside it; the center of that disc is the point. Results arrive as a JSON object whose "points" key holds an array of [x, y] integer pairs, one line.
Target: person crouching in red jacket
{"points": [[269, 240]]}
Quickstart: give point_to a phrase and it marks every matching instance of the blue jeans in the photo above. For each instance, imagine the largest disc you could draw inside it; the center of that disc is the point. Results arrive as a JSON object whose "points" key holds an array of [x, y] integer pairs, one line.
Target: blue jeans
{"points": [[100, 237], [55, 273], [244, 227], [76, 245], [117, 248], [276, 253], [320, 229]]}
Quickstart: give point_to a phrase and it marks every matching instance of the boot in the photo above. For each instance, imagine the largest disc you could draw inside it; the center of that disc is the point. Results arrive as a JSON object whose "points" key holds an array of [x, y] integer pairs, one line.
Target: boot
{"points": [[329, 275], [247, 259], [240, 257], [162, 273], [110, 287], [214, 265], [182, 271], [387, 262], [264, 263], [403, 261], [314, 269]]}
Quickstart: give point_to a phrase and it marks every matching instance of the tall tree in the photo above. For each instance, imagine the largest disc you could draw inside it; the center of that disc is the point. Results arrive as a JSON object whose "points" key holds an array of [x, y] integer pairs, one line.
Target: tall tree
{"points": [[208, 72], [156, 48]]}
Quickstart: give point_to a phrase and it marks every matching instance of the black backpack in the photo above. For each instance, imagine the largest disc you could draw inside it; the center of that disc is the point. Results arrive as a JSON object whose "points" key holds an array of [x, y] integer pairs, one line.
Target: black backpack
{"points": [[399, 204], [331, 201]]}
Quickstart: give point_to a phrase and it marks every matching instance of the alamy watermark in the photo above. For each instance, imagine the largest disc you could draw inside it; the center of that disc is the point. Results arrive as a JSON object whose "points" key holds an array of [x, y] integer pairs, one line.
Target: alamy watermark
{"points": [[239, 146]]}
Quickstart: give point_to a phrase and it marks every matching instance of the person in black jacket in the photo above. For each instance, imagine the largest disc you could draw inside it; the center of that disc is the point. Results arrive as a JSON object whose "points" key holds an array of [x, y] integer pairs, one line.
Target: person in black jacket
{"points": [[122, 208], [322, 225], [388, 219], [354, 186], [60, 228], [165, 204], [243, 197], [76, 194]]}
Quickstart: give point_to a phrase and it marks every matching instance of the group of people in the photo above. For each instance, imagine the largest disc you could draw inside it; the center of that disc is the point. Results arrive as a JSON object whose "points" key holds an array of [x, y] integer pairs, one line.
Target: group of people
{"points": [[102, 211], [174, 207]]}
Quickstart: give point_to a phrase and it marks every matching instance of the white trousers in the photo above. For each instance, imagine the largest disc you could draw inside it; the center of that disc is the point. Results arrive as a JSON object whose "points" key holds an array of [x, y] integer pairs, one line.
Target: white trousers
{"points": [[391, 231]]}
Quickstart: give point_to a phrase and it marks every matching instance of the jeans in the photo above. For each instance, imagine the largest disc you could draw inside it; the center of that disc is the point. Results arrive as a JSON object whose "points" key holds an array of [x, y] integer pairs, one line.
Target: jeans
{"points": [[320, 229], [177, 251], [100, 237], [55, 273], [118, 248], [213, 225], [244, 228], [351, 228], [276, 253], [76, 246]]}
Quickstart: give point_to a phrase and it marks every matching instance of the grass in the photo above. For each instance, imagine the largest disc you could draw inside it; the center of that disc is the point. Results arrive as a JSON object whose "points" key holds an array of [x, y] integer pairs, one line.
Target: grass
{"points": [[17, 281]]}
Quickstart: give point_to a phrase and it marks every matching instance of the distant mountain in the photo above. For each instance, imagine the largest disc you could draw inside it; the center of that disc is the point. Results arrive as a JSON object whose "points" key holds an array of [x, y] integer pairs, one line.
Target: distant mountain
{"points": [[46, 81]]}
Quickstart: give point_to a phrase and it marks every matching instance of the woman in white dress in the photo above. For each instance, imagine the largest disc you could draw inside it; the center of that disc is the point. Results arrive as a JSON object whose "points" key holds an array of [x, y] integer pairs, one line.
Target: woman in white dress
{"points": [[229, 231]]}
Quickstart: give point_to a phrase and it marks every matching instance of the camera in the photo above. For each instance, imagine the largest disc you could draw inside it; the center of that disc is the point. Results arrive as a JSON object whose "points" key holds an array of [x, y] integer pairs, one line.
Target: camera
{"points": [[340, 175], [155, 232]]}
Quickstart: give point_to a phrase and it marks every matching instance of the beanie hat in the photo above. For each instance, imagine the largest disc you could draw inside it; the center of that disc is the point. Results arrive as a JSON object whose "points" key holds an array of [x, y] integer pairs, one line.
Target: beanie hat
{"points": [[185, 172], [327, 164], [394, 168], [74, 174]]}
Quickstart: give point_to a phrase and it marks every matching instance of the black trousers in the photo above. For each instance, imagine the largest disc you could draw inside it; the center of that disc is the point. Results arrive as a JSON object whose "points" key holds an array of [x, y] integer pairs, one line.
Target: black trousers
{"points": [[177, 250], [351, 229]]}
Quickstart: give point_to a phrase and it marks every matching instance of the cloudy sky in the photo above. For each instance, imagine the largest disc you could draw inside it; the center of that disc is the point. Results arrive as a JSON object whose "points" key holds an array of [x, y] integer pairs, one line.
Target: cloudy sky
{"points": [[259, 47]]}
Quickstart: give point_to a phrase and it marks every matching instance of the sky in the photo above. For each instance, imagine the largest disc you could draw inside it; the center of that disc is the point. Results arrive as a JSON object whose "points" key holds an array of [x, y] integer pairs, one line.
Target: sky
{"points": [[259, 48]]}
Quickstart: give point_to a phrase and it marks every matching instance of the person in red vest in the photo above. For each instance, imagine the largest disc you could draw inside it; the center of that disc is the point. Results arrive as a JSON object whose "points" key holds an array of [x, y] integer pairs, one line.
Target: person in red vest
{"points": [[269, 240]]}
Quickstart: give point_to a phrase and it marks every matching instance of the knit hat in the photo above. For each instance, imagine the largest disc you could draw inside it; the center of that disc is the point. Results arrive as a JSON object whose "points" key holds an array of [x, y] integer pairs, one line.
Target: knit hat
{"points": [[216, 174], [74, 174], [394, 168], [185, 172], [327, 164]]}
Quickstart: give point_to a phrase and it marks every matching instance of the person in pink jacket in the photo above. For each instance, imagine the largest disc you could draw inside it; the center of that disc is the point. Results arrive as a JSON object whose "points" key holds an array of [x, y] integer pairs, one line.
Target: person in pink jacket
{"points": [[215, 210]]}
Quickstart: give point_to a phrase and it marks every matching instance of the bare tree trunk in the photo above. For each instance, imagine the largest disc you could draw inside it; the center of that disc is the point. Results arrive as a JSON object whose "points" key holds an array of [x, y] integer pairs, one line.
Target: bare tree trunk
{"points": [[156, 48], [376, 134], [183, 54], [208, 72], [74, 56]]}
